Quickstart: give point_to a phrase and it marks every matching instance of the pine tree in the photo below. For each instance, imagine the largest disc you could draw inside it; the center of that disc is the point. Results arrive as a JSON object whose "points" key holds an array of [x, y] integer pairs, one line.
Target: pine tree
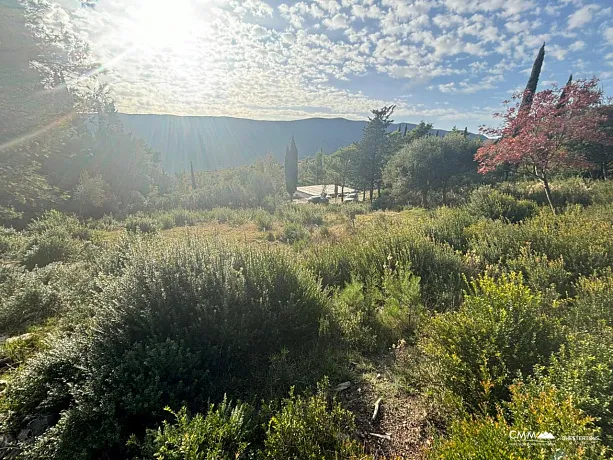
{"points": [[375, 148], [291, 168]]}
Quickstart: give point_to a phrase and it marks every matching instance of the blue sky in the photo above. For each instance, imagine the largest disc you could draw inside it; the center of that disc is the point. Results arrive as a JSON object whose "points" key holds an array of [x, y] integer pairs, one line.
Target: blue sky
{"points": [[449, 62]]}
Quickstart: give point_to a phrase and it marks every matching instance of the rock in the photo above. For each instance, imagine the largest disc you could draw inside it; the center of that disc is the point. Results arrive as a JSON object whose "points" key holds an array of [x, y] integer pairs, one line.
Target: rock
{"points": [[342, 386]]}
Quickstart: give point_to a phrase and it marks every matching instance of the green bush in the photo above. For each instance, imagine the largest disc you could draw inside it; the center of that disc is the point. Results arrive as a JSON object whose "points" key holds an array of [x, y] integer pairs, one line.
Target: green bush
{"points": [[141, 224], [30, 298], [542, 410], [222, 433], [540, 273], [311, 428], [294, 233], [583, 370], [364, 257], [11, 243], [184, 323], [263, 220], [593, 302], [501, 330], [301, 214], [54, 245], [584, 241], [493, 204], [448, 226]]}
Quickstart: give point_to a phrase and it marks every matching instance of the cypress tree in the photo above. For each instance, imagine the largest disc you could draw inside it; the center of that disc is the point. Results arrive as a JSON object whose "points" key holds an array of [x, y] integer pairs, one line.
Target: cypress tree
{"points": [[405, 130], [562, 100], [291, 169], [526, 101], [466, 132], [398, 128]]}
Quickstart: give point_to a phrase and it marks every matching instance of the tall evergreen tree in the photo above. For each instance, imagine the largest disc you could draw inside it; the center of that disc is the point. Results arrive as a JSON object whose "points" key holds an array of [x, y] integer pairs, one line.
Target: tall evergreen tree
{"points": [[526, 101], [375, 149], [291, 168]]}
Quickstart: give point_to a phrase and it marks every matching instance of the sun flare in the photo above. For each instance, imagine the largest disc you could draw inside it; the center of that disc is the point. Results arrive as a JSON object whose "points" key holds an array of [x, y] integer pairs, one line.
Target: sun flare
{"points": [[163, 24]]}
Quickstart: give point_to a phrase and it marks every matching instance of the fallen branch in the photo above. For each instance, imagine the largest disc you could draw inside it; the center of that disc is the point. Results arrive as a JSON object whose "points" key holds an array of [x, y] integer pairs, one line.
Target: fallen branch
{"points": [[382, 436], [376, 411]]}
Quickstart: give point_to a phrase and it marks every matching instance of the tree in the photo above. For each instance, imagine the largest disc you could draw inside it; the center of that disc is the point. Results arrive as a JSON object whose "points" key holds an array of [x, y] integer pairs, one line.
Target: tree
{"points": [[374, 150], [291, 169], [530, 90], [430, 164], [538, 138], [338, 166]]}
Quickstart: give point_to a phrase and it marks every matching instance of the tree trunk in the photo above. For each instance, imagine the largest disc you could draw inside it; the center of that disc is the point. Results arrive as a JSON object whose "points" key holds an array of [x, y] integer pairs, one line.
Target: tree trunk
{"points": [[364, 195], [548, 193], [605, 170], [424, 198], [342, 192]]}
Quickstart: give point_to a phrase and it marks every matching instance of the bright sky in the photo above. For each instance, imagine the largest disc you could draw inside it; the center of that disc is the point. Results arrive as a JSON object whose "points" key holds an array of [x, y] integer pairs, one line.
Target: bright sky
{"points": [[450, 62]]}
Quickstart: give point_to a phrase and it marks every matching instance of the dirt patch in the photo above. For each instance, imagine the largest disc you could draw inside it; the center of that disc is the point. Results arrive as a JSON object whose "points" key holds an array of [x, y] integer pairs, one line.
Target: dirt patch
{"points": [[400, 429]]}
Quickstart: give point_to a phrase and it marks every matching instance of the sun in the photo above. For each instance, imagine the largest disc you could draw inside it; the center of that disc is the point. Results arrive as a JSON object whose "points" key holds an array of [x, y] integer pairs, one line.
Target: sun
{"points": [[162, 24]]}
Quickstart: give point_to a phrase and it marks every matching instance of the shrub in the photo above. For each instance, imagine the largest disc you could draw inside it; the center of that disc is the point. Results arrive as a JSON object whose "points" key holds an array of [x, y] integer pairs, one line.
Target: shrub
{"points": [[493, 204], [141, 224], [582, 240], [30, 298], [184, 323], [293, 233], [263, 220], [54, 245], [365, 256], [355, 313], [448, 225], [302, 215], [310, 427], [593, 303], [499, 332], [542, 410], [540, 273], [11, 243], [583, 371], [220, 434]]}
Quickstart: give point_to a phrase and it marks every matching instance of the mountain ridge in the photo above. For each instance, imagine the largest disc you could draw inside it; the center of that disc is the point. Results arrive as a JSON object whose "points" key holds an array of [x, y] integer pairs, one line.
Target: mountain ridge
{"points": [[212, 142]]}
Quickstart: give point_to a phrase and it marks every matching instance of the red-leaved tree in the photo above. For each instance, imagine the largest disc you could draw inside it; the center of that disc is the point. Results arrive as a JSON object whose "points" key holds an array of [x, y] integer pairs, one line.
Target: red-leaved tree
{"points": [[538, 138]]}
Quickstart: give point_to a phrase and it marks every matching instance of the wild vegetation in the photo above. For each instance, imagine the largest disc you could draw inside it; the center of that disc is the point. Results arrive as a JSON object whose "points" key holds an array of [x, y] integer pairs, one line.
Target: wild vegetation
{"points": [[207, 316]]}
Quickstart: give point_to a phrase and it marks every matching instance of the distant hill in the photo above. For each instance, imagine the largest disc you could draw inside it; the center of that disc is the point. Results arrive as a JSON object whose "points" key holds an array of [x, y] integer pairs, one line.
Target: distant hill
{"points": [[222, 142]]}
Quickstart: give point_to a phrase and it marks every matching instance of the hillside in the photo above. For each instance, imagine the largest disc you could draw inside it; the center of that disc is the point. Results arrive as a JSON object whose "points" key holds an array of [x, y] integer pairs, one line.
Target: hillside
{"points": [[221, 142]]}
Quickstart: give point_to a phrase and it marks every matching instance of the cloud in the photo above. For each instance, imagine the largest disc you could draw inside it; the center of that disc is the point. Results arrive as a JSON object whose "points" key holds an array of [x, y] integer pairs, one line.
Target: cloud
{"points": [[339, 21], [582, 16], [302, 58]]}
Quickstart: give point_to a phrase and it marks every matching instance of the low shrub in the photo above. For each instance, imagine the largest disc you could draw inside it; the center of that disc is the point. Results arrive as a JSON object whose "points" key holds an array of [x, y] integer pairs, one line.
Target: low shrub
{"points": [[493, 204], [311, 427], [263, 220], [541, 274], [141, 224], [583, 370], [593, 302], [11, 243], [31, 298], [539, 411], [294, 233], [183, 323], [222, 433], [500, 331], [54, 245], [364, 257], [448, 226]]}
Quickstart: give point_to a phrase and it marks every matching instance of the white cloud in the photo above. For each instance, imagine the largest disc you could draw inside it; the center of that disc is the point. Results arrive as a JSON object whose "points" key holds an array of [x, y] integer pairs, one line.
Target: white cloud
{"points": [[582, 16], [339, 21], [608, 35]]}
